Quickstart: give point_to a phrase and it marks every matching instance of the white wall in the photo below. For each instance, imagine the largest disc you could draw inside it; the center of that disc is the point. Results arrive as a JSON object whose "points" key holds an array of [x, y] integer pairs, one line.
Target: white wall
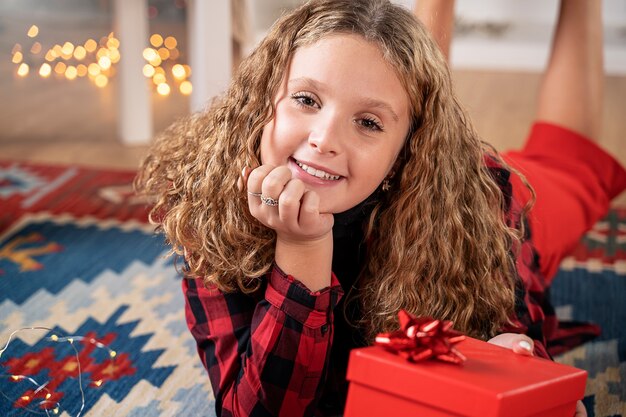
{"points": [[523, 46]]}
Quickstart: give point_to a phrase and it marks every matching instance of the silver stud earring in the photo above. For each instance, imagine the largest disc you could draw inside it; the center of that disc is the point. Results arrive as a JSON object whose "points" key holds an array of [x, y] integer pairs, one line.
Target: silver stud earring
{"points": [[386, 185]]}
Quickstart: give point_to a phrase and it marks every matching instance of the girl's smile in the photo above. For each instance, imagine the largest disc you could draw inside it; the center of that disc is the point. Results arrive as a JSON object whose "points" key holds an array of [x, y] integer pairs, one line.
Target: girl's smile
{"points": [[341, 118]]}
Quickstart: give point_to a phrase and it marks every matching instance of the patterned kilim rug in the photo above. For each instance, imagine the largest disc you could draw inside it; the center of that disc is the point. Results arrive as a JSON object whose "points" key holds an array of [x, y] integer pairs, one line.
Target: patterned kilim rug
{"points": [[105, 335]]}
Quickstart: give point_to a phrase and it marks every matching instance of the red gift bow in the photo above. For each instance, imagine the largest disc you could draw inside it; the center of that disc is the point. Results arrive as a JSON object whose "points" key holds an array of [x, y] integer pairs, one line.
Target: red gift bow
{"points": [[423, 338]]}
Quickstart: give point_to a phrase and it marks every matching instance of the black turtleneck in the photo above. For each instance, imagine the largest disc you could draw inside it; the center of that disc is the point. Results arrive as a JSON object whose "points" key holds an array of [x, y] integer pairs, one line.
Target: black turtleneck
{"points": [[349, 252]]}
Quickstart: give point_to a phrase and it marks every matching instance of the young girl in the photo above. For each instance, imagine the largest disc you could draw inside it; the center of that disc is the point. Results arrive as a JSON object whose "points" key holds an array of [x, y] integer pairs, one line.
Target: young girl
{"points": [[337, 181]]}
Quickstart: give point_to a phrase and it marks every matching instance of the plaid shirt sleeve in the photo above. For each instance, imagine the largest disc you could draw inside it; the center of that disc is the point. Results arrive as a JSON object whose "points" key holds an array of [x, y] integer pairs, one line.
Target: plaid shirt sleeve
{"points": [[534, 315], [266, 353]]}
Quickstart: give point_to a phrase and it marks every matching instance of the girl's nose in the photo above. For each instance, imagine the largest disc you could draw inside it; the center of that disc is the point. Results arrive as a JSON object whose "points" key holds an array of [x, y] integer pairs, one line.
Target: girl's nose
{"points": [[326, 137]]}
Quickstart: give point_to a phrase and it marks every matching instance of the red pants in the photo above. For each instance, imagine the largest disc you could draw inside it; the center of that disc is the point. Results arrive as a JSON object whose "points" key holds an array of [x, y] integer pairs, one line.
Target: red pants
{"points": [[574, 180]]}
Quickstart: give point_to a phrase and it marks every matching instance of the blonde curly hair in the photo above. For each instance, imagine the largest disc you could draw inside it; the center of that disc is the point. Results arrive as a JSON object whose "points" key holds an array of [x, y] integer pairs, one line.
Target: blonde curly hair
{"points": [[438, 241]]}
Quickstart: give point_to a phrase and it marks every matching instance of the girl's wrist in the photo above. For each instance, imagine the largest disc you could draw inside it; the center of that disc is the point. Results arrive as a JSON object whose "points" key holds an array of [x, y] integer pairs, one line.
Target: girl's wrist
{"points": [[309, 261]]}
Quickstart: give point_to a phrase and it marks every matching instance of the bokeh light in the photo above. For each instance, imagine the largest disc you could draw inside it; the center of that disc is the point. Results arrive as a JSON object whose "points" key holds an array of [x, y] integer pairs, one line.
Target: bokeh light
{"points": [[148, 70], [101, 80], [45, 70], [178, 71], [163, 89], [36, 48], [170, 42], [33, 31], [156, 40], [23, 69], [80, 52], [17, 57], [185, 88]]}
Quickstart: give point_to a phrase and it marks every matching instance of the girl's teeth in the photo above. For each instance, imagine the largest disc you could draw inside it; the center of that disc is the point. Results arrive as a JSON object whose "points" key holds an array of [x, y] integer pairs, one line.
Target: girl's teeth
{"points": [[317, 172]]}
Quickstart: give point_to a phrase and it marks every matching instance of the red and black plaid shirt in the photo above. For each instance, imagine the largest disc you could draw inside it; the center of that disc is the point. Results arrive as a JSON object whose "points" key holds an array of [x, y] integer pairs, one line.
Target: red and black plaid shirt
{"points": [[271, 353]]}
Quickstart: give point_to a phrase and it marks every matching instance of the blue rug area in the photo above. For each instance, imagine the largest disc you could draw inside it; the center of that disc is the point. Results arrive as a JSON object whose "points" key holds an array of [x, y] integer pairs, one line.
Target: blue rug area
{"points": [[103, 315], [591, 286], [83, 273]]}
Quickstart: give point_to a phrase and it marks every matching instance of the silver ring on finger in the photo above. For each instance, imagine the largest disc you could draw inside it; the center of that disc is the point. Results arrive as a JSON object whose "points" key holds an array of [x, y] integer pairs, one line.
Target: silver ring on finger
{"points": [[253, 194], [269, 201]]}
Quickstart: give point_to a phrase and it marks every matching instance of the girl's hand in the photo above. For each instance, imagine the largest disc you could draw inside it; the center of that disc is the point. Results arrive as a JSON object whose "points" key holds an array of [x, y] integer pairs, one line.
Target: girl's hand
{"points": [[296, 218], [519, 343], [304, 237], [524, 345]]}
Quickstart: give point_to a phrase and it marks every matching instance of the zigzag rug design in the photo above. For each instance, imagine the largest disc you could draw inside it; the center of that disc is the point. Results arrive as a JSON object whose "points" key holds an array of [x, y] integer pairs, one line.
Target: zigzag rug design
{"points": [[78, 258]]}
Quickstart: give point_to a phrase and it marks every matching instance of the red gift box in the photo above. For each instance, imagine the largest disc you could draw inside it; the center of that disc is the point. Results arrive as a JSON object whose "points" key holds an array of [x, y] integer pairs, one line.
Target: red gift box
{"points": [[493, 382]]}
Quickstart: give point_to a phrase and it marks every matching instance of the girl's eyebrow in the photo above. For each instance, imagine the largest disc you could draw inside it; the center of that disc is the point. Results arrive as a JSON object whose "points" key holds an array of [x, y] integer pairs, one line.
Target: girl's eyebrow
{"points": [[307, 82], [366, 101]]}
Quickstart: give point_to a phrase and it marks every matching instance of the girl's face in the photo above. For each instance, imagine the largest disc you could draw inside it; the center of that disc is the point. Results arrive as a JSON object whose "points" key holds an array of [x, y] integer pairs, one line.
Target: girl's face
{"points": [[341, 118]]}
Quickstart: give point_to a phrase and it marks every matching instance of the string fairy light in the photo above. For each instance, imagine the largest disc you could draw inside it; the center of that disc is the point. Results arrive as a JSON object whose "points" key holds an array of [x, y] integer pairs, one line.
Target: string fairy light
{"points": [[48, 404], [96, 60]]}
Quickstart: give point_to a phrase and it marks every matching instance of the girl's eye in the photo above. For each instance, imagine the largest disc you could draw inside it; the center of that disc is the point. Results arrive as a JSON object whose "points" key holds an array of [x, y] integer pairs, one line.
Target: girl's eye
{"points": [[305, 100], [369, 123]]}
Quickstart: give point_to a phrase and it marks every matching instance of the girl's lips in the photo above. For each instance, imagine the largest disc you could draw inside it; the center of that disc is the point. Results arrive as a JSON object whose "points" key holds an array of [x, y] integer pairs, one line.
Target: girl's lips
{"points": [[308, 178]]}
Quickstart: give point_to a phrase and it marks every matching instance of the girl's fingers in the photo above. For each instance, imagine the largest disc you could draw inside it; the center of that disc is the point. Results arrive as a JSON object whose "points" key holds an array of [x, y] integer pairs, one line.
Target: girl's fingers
{"points": [[310, 217], [289, 204], [274, 182], [519, 343], [256, 177], [254, 185]]}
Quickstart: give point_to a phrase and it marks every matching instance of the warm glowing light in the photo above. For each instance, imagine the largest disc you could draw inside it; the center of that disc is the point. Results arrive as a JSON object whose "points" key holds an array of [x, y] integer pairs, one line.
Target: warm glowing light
{"points": [[81, 69], [174, 54], [45, 70], [170, 42], [164, 53], [55, 410], [23, 69], [102, 52], [113, 43], [163, 89], [58, 50], [68, 48], [93, 69], [113, 353], [114, 54], [71, 73], [97, 383], [104, 62], [60, 67], [25, 397], [50, 55], [149, 54], [156, 61], [148, 70], [33, 31], [16, 48], [156, 40], [158, 79], [90, 45], [185, 87], [17, 57], [36, 48], [48, 395], [159, 70], [103, 41], [80, 52], [101, 80], [178, 71], [54, 338], [16, 377]]}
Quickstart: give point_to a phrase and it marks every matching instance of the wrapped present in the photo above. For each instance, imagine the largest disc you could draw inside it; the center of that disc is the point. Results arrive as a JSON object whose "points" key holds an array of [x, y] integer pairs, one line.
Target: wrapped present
{"points": [[482, 380]]}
